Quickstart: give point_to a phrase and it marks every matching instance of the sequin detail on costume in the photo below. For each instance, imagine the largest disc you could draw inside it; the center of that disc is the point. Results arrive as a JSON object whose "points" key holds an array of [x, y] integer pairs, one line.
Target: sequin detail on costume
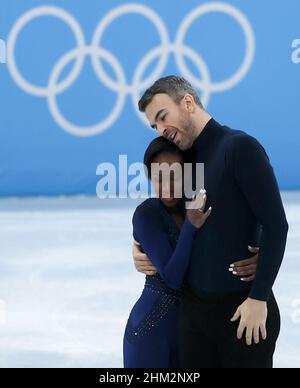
{"points": [[152, 320]]}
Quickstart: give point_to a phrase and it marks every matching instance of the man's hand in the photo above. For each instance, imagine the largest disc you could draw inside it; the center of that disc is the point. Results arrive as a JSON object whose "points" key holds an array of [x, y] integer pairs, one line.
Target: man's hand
{"points": [[253, 317], [246, 268], [141, 261]]}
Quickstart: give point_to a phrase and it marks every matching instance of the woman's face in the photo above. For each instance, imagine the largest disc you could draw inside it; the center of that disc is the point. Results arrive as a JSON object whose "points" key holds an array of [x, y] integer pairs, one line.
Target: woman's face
{"points": [[167, 177]]}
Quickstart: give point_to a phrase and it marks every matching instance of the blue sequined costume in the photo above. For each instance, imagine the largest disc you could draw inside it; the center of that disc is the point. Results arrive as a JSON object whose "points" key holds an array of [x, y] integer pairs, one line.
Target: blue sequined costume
{"points": [[151, 335]]}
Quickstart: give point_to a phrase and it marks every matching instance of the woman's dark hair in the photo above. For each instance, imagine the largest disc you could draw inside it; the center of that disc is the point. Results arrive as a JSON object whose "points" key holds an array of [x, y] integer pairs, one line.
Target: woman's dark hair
{"points": [[156, 147]]}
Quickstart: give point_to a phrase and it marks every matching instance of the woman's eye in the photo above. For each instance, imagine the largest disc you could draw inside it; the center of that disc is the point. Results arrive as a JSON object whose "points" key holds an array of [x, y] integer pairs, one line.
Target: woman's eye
{"points": [[163, 118]]}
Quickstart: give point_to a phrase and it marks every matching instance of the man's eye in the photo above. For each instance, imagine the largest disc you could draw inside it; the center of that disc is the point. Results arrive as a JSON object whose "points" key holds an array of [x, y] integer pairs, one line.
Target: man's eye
{"points": [[163, 118]]}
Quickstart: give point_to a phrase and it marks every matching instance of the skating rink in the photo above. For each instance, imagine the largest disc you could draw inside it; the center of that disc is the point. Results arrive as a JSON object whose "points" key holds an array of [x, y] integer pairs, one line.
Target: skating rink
{"points": [[68, 282]]}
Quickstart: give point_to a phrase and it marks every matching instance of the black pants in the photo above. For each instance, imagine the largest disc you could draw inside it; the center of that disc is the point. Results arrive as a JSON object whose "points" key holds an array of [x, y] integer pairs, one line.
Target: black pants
{"points": [[208, 339]]}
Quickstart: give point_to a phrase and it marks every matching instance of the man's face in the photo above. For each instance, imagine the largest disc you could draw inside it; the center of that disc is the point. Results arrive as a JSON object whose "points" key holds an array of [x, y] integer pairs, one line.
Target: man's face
{"points": [[172, 121]]}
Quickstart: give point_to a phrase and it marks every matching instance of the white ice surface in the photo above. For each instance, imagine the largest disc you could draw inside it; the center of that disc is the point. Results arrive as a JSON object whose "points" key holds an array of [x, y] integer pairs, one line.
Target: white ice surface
{"points": [[67, 282]]}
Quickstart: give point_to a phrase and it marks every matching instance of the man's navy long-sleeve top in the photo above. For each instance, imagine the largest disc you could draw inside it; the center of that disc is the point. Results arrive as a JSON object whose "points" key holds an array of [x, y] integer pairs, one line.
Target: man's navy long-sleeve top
{"points": [[243, 192]]}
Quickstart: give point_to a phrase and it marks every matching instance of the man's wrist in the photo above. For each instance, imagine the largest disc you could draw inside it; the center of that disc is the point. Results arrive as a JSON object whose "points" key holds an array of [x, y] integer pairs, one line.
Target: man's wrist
{"points": [[257, 300]]}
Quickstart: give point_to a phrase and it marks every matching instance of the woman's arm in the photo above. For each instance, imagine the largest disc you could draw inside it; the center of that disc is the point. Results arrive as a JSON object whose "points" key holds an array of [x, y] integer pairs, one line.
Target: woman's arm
{"points": [[148, 230]]}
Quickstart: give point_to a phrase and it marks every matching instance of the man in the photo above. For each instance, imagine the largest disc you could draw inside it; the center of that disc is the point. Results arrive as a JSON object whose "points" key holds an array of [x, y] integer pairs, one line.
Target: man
{"points": [[217, 309]]}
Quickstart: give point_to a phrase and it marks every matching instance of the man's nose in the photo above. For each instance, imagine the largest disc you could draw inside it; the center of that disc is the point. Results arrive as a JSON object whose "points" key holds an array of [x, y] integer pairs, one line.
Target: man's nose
{"points": [[161, 130]]}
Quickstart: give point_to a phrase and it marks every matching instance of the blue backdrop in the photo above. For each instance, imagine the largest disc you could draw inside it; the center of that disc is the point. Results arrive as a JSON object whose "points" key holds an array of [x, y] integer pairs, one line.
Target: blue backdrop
{"points": [[64, 111]]}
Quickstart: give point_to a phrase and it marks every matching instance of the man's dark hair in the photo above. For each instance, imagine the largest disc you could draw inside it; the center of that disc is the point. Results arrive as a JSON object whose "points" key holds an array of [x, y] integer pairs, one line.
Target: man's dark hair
{"points": [[156, 147], [173, 86]]}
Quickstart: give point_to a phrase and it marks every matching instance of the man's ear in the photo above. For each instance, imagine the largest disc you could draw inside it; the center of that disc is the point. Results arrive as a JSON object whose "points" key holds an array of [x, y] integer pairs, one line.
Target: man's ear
{"points": [[189, 103]]}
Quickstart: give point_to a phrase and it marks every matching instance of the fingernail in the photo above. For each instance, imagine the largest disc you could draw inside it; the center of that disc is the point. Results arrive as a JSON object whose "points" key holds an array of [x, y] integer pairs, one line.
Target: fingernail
{"points": [[232, 265], [234, 273], [242, 279], [230, 269]]}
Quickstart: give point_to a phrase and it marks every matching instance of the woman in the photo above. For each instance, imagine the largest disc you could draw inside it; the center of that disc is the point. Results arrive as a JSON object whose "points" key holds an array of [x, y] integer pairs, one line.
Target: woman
{"points": [[165, 231]]}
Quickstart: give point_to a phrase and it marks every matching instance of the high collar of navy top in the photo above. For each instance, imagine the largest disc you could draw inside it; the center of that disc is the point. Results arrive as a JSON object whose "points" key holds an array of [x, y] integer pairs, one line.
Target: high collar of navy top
{"points": [[181, 207], [208, 133]]}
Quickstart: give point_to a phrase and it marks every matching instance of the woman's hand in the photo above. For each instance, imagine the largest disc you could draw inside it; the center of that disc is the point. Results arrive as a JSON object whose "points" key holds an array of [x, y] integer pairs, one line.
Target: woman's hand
{"points": [[246, 269], [195, 212], [253, 317]]}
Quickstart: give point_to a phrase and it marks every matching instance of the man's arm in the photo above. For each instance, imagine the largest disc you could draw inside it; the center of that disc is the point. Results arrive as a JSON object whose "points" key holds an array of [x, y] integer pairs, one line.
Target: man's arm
{"points": [[246, 269], [250, 166]]}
